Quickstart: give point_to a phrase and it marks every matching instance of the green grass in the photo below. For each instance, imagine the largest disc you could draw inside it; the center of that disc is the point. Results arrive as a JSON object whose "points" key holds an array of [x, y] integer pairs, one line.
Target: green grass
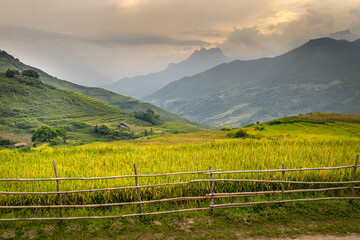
{"points": [[312, 127], [337, 218]]}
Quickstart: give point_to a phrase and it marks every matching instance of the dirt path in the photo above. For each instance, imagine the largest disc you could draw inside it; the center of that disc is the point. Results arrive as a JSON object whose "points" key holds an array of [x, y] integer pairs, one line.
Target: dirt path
{"points": [[316, 237]]}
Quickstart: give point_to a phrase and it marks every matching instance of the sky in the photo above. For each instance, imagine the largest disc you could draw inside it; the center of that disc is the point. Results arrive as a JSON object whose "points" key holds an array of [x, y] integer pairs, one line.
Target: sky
{"points": [[95, 42]]}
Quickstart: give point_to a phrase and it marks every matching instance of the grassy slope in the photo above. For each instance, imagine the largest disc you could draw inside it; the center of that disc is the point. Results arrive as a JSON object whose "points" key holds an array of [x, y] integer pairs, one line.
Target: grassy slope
{"points": [[24, 108], [325, 124], [125, 103]]}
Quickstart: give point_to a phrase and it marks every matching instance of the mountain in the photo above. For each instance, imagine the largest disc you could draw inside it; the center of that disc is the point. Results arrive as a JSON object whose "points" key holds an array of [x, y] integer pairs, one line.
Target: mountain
{"points": [[27, 103], [321, 75], [142, 86], [125, 103]]}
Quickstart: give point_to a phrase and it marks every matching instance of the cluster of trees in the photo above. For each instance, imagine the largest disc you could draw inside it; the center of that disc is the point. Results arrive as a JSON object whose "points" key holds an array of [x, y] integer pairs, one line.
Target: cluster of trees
{"points": [[12, 73], [146, 133], [113, 134], [148, 116], [26, 73], [45, 133], [30, 73], [29, 77]]}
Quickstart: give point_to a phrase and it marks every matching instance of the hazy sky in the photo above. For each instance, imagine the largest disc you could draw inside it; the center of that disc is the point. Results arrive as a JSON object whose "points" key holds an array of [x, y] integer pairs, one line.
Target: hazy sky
{"points": [[93, 42]]}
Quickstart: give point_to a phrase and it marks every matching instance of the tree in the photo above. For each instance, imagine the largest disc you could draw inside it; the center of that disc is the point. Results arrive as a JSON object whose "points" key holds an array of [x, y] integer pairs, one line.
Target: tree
{"points": [[11, 73], [148, 116], [96, 129], [61, 132], [30, 73], [104, 130], [47, 133]]}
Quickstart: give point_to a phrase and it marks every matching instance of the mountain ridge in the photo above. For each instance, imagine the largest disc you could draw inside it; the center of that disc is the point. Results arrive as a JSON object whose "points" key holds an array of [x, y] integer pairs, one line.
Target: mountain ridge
{"points": [[198, 61], [240, 92]]}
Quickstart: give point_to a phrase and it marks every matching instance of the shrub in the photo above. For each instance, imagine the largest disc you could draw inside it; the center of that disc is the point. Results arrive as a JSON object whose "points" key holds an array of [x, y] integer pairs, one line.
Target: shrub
{"points": [[12, 73], [227, 129], [24, 149], [57, 141], [104, 130], [275, 122], [240, 134], [6, 142], [30, 73], [259, 128]]}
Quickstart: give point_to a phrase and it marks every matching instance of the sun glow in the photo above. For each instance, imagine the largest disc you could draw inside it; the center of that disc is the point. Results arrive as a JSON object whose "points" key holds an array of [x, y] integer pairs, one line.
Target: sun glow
{"points": [[128, 3], [268, 27]]}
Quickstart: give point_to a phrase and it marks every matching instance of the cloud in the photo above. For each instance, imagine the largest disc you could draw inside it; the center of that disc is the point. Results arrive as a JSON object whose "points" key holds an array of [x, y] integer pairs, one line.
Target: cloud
{"points": [[122, 38], [145, 39], [355, 11], [316, 21], [344, 35]]}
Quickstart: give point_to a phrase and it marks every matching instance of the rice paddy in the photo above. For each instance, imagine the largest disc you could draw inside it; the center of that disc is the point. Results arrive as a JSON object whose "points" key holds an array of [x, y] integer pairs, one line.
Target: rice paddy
{"points": [[305, 146]]}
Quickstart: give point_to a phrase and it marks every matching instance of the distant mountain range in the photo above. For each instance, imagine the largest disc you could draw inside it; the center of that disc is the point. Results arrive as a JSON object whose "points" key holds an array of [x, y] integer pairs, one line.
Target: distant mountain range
{"points": [[142, 86], [128, 104], [321, 75]]}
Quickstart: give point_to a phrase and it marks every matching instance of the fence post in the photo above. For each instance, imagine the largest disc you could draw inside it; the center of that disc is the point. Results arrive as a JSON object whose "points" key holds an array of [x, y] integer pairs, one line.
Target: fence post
{"points": [[282, 184], [137, 189], [58, 189], [353, 176], [211, 191]]}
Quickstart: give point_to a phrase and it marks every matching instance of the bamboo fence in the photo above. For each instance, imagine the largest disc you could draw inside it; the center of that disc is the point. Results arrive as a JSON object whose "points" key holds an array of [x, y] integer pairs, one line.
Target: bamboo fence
{"points": [[211, 195]]}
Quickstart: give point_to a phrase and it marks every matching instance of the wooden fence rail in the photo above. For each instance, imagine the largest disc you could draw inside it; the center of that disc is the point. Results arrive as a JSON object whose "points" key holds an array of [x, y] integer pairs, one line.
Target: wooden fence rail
{"points": [[211, 195], [176, 173]]}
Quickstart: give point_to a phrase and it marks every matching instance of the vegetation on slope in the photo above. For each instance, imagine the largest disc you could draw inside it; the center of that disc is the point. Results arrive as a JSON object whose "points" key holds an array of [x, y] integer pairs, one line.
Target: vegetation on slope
{"points": [[128, 104], [27, 103]]}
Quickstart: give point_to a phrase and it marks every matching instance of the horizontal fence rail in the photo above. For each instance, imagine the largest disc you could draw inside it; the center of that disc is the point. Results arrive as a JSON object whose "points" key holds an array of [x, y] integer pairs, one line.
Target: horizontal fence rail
{"points": [[211, 195], [176, 173], [102, 178]]}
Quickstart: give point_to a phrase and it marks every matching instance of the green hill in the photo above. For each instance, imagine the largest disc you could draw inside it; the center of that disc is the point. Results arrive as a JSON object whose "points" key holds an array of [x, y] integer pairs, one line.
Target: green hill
{"points": [[27, 103], [125, 103], [305, 125]]}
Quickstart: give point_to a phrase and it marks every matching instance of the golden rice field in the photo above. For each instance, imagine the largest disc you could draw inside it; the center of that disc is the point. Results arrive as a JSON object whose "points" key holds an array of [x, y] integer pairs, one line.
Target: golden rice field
{"points": [[179, 153]]}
